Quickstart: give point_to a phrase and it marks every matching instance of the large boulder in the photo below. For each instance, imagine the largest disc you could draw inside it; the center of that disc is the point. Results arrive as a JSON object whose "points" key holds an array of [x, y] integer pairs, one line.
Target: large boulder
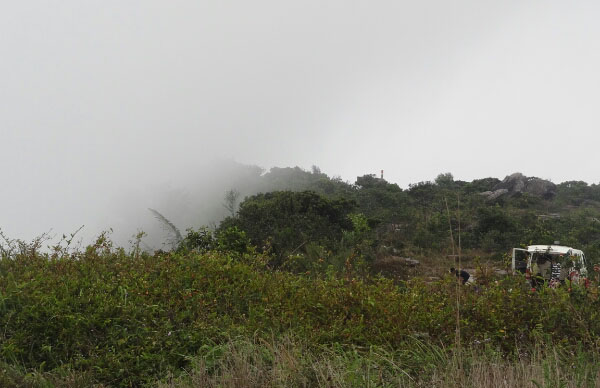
{"points": [[541, 187], [491, 195], [518, 183], [514, 183]]}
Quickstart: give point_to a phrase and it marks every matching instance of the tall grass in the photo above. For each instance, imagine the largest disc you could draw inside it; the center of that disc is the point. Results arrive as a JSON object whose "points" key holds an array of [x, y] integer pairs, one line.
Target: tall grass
{"points": [[289, 363]]}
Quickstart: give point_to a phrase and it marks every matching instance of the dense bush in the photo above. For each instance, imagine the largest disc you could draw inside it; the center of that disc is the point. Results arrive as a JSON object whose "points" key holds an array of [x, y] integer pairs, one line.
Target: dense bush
{"points": [[287, 220], [127, 319]]}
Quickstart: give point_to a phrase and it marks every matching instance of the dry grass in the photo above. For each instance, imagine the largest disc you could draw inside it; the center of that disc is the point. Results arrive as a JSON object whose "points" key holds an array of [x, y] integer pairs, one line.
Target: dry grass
{"points": [[290, 364], [547, 372]]}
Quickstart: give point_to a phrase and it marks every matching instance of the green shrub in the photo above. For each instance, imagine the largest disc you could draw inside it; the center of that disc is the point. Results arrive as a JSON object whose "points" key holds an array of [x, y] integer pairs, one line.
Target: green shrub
{"points": [[125, 320]]}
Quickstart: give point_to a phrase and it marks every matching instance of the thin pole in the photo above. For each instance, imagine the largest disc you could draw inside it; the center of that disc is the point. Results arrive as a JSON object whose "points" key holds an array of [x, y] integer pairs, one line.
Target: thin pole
{"points": [[450, 226], [457, 332], [458, 293]]}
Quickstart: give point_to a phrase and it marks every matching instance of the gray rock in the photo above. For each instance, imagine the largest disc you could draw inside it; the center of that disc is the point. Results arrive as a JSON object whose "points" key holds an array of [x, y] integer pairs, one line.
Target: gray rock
{"points": [[411, 262], [491, 195], [540, 187], [514, 183], [518, 183], [395, 260]]}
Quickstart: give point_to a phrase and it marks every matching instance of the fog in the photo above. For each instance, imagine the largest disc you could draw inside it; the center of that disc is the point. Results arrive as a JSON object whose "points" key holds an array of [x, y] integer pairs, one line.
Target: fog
{"points": [[108, 108]]}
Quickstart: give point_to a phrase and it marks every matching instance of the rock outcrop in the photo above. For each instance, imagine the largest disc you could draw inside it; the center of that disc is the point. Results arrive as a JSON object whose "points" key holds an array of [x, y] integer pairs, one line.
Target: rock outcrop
{"points": [[491, 195], [518, 183]]}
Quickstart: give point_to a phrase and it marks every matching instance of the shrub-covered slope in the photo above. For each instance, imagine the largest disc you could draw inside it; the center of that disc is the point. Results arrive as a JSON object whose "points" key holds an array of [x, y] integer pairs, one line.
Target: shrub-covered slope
{"points": [[126, 319]]}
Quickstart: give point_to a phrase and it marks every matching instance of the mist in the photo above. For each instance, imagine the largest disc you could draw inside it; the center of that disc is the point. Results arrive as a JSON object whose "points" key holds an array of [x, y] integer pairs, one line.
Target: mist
{"points": [[110, 108]]}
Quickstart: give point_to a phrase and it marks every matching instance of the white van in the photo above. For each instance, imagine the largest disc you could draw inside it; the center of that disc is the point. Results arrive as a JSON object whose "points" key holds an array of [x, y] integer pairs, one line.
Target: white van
{"points": [[548, 262]]}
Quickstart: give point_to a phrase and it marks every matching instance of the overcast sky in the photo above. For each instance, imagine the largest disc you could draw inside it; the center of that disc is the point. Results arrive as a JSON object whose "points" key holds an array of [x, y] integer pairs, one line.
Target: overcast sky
{"points": [[101, 100]]}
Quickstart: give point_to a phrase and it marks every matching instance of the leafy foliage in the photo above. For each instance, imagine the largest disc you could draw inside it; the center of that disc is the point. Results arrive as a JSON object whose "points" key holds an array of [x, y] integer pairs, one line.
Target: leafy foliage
{"points": [[286, 220], [175, 237], [122, 319]]}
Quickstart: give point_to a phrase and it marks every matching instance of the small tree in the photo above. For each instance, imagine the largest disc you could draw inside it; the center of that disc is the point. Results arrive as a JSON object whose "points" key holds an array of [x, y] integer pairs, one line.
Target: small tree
{"points": [[231, 199], [444, 180], [175, 236]]}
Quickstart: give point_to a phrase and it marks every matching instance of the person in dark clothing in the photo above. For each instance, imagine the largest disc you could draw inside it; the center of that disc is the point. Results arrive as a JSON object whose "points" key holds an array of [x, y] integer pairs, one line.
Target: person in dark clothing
{"points": [[462, 274]]}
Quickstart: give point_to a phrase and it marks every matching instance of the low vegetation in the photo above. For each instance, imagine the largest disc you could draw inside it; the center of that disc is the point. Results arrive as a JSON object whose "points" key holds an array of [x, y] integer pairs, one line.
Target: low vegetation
{"points": [[108, 317], [289, 290]]}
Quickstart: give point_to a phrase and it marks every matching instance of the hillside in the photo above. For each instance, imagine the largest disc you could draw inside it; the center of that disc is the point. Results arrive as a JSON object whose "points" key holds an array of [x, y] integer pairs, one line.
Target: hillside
{"points": [[300, 286], [489, 215]]}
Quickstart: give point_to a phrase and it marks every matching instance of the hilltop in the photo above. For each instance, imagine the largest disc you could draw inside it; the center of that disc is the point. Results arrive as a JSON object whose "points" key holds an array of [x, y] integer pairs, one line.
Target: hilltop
{"points": [[311, 216]]}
